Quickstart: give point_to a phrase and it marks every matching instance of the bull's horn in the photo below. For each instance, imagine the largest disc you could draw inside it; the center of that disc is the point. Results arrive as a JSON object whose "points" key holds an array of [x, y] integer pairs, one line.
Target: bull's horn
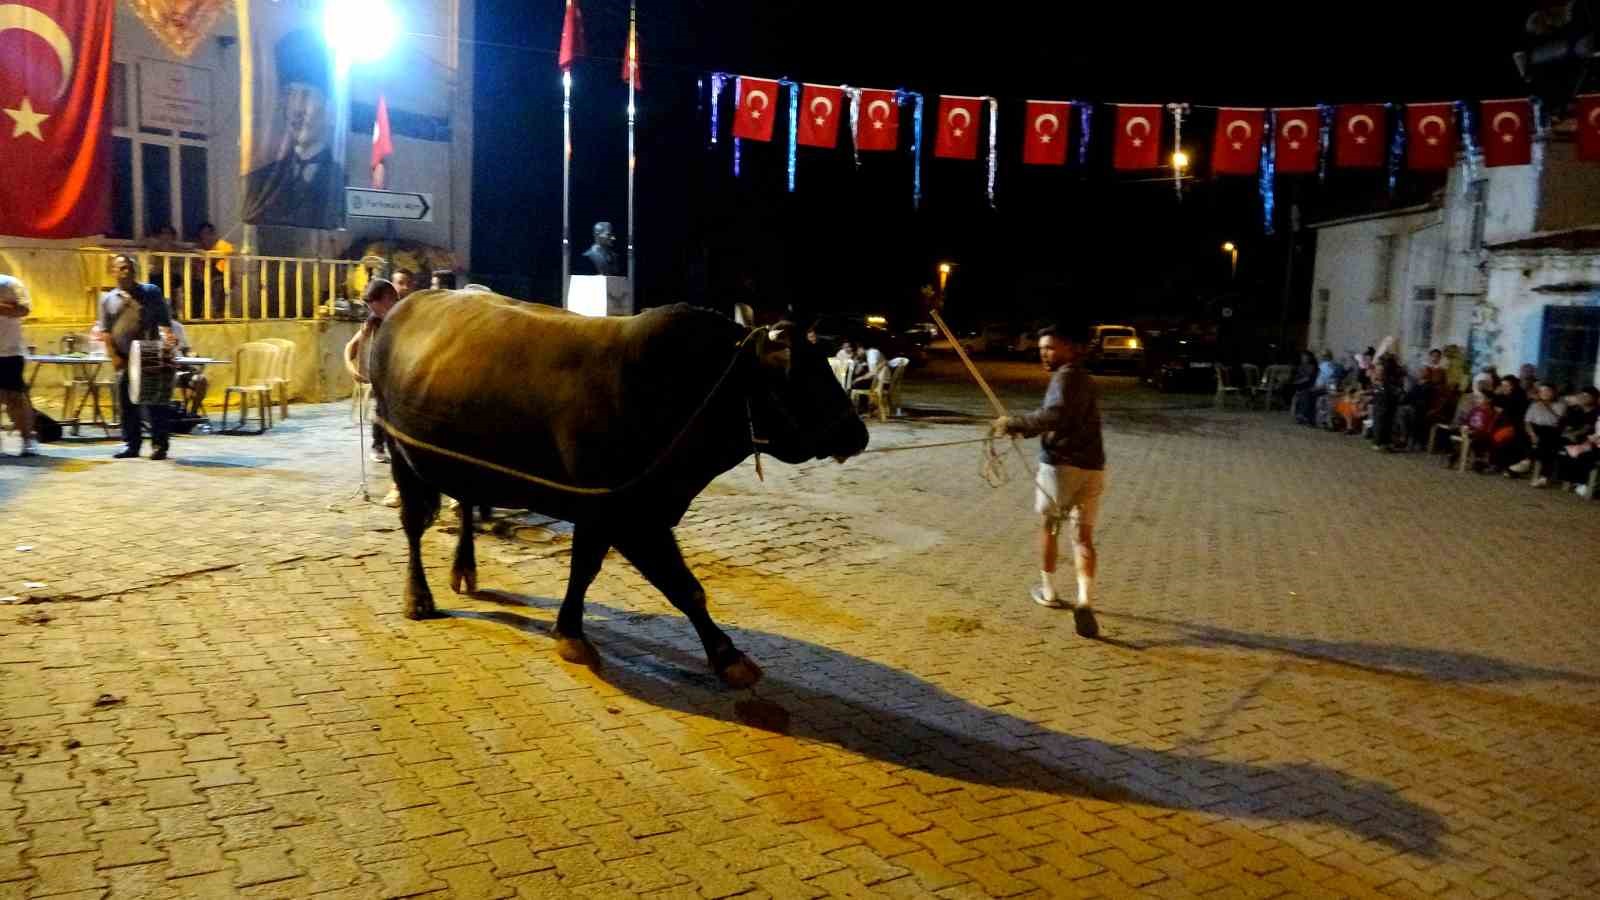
{"points": [[774, 334]]}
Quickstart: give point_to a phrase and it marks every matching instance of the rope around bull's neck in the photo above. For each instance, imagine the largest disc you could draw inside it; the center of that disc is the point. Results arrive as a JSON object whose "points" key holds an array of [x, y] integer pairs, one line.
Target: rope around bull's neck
{"points": [[630, 484]]}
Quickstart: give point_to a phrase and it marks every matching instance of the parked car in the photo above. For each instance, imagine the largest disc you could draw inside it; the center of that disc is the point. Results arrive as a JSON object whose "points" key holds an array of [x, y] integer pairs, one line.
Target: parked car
{"points": [[1027, 343], [1186, 365], [921, 334], [1115, 345], [990, 339]]}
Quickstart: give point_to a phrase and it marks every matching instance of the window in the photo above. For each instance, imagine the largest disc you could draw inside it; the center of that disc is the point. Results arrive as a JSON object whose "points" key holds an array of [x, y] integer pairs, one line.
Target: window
{"points": [[1422, 308], [159, 176], [1323, 301], [1383, 272], [1477, 196]]}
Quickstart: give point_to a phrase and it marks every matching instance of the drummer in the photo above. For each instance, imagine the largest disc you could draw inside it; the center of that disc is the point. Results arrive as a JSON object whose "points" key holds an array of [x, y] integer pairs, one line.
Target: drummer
{"points": [[135, 311]]}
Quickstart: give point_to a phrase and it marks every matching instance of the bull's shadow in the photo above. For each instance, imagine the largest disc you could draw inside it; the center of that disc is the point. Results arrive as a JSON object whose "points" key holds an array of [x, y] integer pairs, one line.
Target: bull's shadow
{"points": [[1394, 660], [822, 694]]}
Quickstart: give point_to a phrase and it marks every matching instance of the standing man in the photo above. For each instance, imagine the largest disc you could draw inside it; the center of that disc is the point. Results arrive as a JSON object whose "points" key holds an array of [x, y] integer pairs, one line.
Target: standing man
{"points": [[380, 297], [1072, 463], [134, 311], [14, 307], [405, 282]]}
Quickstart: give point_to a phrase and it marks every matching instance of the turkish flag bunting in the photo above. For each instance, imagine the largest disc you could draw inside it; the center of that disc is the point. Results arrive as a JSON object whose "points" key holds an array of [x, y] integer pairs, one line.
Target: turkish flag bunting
{"points": [[1138, 137], [1047, 130], [55, 134], [958, 127], [1236, 149], [1589, 127], [879, 125], [1358, 134], [1506, 132], [382, 142], [571, 36], [1298, 139], [1430, 136], [820, 107], [758, 99]]}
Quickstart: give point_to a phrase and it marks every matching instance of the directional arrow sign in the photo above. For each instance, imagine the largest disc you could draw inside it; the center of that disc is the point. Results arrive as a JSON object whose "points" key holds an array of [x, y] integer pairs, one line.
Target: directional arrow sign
{"points": [[371, 204]]}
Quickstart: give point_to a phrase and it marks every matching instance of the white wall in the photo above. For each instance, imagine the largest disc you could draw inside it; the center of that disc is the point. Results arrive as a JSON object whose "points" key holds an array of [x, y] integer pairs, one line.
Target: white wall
{"points": [[1513, 336], [1347, 267]]}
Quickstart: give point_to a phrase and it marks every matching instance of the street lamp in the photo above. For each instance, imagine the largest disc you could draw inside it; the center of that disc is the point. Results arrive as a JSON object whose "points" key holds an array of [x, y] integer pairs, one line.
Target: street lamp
{"points": [[360, 31], [1180, 160], [1233, 259], [944, 276]]}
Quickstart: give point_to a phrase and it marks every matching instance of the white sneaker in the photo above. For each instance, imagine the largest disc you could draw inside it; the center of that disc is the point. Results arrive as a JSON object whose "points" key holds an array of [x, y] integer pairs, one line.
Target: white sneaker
{"points": [[1522, 468], [1540, 482], [378, 456], [30, 447], [392, 498], [1581, 490]]}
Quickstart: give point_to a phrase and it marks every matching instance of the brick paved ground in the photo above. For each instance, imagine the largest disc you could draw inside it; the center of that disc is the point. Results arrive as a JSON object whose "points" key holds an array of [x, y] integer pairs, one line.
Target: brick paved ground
{"points": [[1325, 673]]}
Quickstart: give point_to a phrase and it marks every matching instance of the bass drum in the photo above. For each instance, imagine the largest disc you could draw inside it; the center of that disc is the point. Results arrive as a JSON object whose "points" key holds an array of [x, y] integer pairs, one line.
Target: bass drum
{"points": [[152, 369]]}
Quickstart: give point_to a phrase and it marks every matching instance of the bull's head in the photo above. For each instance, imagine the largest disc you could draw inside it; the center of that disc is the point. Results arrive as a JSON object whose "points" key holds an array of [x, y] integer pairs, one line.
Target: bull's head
{"points": [[798, 411]]}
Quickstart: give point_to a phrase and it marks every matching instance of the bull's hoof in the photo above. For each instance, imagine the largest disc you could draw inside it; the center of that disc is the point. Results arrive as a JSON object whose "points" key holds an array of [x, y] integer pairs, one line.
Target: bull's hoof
{"points": [[419, 605], [577, 651], [467, 580], [741, 673]]}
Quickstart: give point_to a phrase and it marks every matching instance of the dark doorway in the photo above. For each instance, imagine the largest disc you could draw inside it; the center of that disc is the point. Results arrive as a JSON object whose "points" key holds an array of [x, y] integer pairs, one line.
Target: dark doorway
{"points": [[1569, 345]]}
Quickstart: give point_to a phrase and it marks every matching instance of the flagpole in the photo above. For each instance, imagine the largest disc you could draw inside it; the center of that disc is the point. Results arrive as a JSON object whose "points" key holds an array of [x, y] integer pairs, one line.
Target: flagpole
{"points": [[633, 79], [566, 182]]}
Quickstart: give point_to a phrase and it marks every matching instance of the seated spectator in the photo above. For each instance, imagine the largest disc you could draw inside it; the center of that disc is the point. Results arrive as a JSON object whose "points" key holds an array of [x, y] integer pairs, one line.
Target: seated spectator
{"points": [[1578, 459], [1433, 369], [1512, 402], [1582, 412], [1350, 411], [1542, 426], [1480, 427], [1388, 386], [847, 351]]}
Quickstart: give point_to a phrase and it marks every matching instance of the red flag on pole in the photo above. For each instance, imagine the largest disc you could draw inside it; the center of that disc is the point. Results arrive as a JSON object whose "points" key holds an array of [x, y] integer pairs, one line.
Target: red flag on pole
{"points": [[630, 59], [1589, 127], [1295, 146], [879, 128], [958, 127], [1359, 130], [756, 108], [820, 106], [1506, 128], [1236, 149], [571, 36], [382, 143], [55, 84], [1431, 136], [1138, 137], [1048, 129]]}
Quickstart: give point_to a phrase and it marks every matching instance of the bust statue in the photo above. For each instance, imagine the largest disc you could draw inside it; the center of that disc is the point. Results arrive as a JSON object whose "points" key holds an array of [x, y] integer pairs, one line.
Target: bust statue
{"points": [[600, 254]]}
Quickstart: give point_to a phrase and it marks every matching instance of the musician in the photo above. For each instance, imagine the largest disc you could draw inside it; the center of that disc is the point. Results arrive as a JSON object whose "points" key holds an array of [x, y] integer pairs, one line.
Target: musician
{"points": [[135, 311]]}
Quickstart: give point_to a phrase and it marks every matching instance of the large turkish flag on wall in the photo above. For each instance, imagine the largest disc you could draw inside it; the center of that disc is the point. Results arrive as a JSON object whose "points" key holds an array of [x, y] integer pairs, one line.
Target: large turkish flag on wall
{"points": [[55, 131]]}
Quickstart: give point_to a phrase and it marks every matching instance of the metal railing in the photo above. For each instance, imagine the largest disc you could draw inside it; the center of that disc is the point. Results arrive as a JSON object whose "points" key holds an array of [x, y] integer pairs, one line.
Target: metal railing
{"points": [[202, 287]]}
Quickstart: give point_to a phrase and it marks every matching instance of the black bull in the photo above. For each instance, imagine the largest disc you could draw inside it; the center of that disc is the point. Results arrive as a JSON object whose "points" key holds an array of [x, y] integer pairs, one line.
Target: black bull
{"points": [[613, 424]]}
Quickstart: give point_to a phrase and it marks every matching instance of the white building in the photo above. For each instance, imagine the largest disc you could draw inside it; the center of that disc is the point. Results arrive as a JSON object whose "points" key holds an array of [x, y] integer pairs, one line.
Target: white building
{"points": [[1442, 273], [175, 161]]}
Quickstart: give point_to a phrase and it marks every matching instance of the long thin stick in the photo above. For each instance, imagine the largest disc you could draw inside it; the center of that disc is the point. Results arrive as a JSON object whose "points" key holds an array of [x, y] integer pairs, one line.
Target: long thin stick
{"points": [[566, 182], [999, 408], [633, 80]]}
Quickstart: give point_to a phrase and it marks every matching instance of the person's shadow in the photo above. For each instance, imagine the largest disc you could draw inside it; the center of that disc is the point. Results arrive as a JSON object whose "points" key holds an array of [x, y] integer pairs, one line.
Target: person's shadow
{"points": [[1393, 660], [821, 694]]}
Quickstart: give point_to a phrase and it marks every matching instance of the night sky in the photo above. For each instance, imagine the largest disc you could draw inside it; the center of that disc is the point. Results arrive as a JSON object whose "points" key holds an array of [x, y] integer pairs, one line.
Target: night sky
{"points": [[1111, 245]]}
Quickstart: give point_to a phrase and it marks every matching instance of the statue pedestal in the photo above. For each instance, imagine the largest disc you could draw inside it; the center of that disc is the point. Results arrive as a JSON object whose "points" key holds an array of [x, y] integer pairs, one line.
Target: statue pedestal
{"points": [[599, 295]]}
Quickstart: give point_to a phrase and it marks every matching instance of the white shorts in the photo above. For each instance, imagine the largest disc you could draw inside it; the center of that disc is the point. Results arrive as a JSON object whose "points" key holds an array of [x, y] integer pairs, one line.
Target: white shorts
{"points": [[1064, 491]]}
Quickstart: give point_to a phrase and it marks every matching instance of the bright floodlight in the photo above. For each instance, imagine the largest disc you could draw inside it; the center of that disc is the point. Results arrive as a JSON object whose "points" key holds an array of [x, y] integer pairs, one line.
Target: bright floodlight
{"points": [[1180, 159], [359, 30], [1227, 247]]}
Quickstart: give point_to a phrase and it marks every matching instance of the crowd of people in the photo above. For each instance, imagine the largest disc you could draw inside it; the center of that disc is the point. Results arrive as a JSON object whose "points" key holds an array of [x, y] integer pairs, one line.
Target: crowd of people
{"points": [[1514, 425]]}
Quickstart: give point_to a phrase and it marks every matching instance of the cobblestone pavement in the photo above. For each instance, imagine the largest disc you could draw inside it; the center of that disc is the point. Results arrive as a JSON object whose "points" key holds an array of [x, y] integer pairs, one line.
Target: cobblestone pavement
{"points": [[1325, 672]]}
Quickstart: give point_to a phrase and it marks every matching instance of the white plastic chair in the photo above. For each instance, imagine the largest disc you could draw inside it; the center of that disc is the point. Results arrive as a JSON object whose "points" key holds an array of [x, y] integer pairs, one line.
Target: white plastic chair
{"points": [[253, 364], [285, 373]]}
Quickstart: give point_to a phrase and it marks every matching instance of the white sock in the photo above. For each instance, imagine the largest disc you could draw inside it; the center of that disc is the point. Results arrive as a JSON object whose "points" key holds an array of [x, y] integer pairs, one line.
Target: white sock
{"points": [[1085, 587], [1049, 585]]}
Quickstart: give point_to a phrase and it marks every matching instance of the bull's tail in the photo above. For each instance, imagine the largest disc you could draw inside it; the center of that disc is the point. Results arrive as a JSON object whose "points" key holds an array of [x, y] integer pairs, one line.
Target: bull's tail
{"points": [[419, 501]]}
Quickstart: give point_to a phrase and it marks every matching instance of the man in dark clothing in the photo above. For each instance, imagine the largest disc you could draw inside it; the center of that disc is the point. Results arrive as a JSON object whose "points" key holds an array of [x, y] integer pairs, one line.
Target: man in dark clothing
{"points": [[1072, 462], [130, 312]]}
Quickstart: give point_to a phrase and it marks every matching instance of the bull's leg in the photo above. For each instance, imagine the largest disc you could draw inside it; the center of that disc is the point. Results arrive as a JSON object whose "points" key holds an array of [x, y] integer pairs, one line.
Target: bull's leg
{"points": [[655, 554], [589, 546], [464, 571], [419, 504]]}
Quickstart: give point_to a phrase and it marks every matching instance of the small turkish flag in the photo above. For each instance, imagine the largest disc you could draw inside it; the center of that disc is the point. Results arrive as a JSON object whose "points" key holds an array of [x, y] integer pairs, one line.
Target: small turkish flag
{"points": [[757, 108], [819, 115], [382, 143], [1138, 137], [55, 122], [1431, 136], [1236, 150], [1589, 127], [1298, 140], [1358, 133], [879, 125], [1507, 132], [571, 36], [1049, 126], [958, 127]]}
